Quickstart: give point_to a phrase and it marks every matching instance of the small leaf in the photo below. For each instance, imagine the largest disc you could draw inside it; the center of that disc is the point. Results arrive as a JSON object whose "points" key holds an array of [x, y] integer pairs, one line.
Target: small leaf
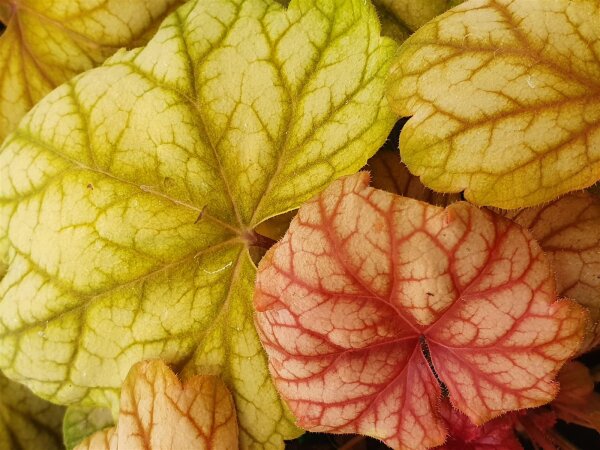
{"points": [[80, 422], [27, 422], [465, 435], [132, 194], [368, 289], [48, 42], [568, 230], [412, 14], [390, 174], [159, 413], [504, 96], [577, 402]]}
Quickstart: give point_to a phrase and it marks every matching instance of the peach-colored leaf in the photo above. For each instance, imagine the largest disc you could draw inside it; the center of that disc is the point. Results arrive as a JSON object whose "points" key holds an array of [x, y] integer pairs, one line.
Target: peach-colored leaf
{"points": [[577, 402], [369, 293], [568, 230], [465, 435], [159, 413], [389, 173]]}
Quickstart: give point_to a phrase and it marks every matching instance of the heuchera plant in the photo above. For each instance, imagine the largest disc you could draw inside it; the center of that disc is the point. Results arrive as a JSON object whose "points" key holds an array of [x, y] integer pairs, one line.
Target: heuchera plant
{"points": [[156, 293]]}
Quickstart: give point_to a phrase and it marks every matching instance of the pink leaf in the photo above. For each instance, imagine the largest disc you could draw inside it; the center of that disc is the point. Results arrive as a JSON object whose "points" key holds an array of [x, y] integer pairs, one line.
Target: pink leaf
{"points": [[370, 296], [465, 435]]}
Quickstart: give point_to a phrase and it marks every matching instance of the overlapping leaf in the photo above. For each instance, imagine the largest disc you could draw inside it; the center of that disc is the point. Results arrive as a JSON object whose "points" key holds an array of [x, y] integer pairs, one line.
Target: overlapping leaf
{"points": [[131, 194], [388, 173], [577, 402], [157, 412], [81, 422], [465, 435], [505, 100], [568, 230], [26, 421], [412, 14], [370, 297], [47, 42]]}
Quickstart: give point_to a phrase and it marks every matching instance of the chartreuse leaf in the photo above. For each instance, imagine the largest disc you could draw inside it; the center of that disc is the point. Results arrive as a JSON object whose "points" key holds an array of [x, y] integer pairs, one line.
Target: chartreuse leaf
{"points": [[26, 421], [568, 230], [157, 412], [47, 42], [80, 422], [371, 297], [131, 195], [505, 100]]}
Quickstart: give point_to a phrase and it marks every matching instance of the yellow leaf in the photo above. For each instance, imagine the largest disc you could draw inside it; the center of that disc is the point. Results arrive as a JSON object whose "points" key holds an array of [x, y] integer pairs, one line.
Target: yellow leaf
{"points": [[505, 99], [47, 42]]}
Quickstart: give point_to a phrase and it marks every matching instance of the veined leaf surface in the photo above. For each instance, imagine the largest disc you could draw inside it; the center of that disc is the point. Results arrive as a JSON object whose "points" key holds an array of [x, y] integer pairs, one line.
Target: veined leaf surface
{"points": [[568, 230], [371, 297], [26, 421], [505, 100], [158, 412], [47, 42], [80, 422], [131, 195]]}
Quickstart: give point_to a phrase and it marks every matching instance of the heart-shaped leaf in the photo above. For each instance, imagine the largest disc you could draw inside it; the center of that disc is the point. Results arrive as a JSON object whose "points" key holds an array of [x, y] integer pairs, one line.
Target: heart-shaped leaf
{"points": [[159, 413], [47, 42], [505, 100], [370, 298], [131, 195]]}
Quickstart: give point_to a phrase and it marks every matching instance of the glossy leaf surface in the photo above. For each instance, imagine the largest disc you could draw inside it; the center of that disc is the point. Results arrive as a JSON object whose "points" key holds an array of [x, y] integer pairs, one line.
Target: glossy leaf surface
{"points": [[505, 100], [368, 292]]}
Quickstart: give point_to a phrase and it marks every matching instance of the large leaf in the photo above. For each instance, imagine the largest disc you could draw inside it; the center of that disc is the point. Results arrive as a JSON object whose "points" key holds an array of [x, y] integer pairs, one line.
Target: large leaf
{"points": [[131, 194], [505, 100], [26, 421], [157, 412], [46, 42], [568, 229], [371, 297]]}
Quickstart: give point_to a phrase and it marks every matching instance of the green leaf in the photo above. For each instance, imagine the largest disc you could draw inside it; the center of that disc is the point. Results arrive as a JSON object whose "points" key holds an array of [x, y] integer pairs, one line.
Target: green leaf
{"points": [[80, 422], [27, 422], [132, 193], [47, 42], [504, 96]]}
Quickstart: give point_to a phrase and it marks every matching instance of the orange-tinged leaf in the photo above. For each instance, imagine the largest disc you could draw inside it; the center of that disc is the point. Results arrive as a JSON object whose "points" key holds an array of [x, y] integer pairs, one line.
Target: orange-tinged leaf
{"points": [[367, 289], [568, 230], [390, 174], [101, 440], [159, 413], [505, 99], [47, 42], [465, 435], [577, 402]]}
